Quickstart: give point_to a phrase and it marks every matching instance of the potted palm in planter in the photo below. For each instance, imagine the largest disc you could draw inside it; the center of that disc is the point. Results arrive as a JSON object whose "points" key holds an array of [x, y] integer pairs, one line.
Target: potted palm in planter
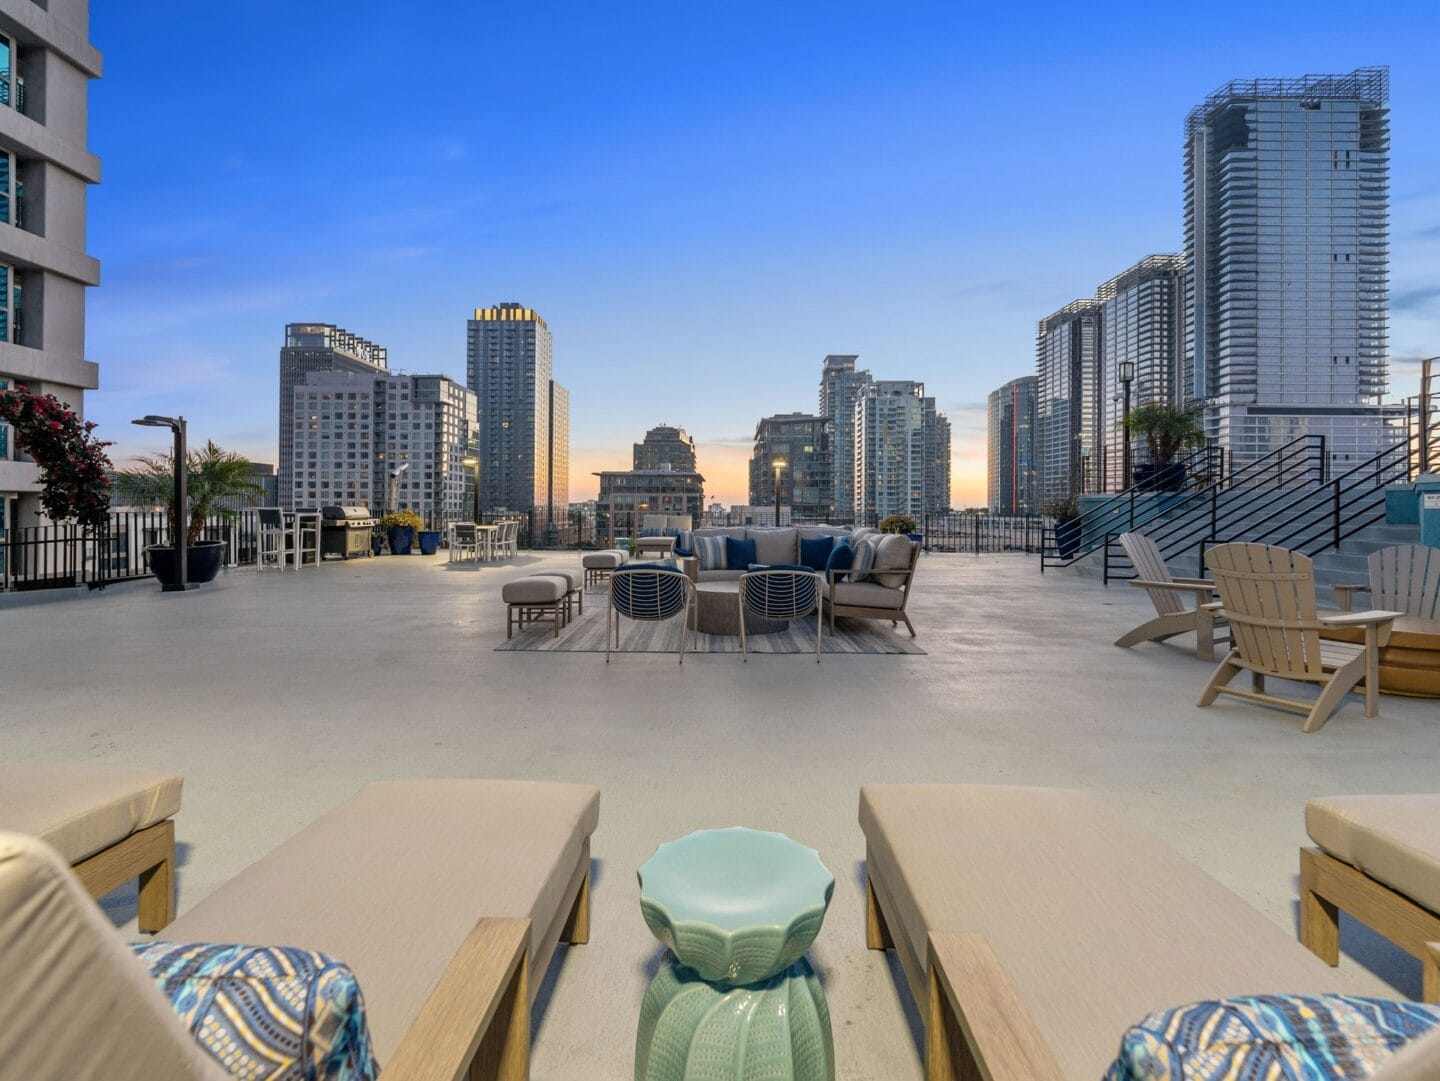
{"points": [[1168, 429], [215, 479], [1066, 513], [901, 523], [400, 527]]}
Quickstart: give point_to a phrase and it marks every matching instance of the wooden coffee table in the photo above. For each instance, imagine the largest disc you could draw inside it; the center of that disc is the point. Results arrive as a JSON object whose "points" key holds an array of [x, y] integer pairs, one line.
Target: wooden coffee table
{"points": [[716, 611], [1410, 662]]}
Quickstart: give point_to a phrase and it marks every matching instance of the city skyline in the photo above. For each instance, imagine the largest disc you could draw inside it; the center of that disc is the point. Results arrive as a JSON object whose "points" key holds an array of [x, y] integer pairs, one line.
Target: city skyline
{"points": [[921, 256]]}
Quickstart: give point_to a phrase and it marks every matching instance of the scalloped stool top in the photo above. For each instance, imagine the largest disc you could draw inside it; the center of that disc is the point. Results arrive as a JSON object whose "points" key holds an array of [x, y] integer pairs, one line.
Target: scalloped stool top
{"points": [[736, 905]]}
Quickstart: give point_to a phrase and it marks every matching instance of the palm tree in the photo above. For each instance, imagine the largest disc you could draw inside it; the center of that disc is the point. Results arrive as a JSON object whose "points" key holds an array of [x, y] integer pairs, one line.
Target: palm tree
{"points": [[1168, 429], [214, 478]]}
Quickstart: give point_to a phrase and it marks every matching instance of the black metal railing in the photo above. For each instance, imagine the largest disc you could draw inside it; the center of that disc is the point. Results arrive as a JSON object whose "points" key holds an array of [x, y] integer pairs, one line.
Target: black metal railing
{"points": [[1298, 466], [1203, 469], [979, 533]]}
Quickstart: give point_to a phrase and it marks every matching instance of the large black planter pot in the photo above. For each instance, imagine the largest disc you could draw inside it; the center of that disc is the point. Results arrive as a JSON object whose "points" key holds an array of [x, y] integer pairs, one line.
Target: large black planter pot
{"points": [[401, 537], [1169, 477], [202, 562], [1067, 536]]}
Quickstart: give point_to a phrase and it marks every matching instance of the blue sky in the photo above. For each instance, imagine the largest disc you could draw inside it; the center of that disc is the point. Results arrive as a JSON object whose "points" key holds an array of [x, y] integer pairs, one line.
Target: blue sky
{"points": [[702, 199]]}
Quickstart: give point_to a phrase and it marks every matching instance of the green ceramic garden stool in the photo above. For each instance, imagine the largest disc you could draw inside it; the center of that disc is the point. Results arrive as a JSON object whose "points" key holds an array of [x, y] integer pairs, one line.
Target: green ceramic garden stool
{"points": [[735, 999]]}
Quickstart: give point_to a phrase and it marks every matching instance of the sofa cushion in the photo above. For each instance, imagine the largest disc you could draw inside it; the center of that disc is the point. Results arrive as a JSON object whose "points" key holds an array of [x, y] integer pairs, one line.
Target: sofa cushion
{"points": [[1418, 1060], [860, 532], [720, 531], [609, 558], [1289, 1037], [681, 523], [79, 808], [865, 595], [893, 552], [1393, 839], [739, 554], [394, 879], [1095, 921], [276, 1012], [842, 558], [757, 567], [711, 552], [774, 545], [815, 551], [864, 559]]}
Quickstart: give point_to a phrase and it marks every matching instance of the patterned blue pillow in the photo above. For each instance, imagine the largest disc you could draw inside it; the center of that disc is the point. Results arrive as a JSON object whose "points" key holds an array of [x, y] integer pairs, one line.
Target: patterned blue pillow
{"points": [[815, 551], [270, 1012], [739, 554], [684, 542], [1277, 1037], [711, 551], [652, 531], [864, 560]]}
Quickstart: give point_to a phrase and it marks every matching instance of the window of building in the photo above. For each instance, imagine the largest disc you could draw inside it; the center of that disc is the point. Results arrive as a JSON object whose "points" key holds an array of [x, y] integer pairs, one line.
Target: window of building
{"points": [[10, 320]]}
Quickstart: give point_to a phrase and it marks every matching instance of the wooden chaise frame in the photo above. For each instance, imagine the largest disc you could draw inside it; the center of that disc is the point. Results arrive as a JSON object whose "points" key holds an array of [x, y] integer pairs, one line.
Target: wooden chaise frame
{"points": [[1329, 886], [147, 854], [976, 1025], [475, 1026]]}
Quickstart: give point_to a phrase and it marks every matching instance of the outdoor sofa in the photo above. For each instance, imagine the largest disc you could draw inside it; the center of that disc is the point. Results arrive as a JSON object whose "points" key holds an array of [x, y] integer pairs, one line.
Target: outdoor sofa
{"points": [[1035, 926], [446, 898], [110, 823]]}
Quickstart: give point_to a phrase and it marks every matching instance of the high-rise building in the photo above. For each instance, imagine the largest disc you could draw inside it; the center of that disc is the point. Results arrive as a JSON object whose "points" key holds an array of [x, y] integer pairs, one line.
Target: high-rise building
{"points": [[46, 64], [1067, 410], [509, 367], [840, 387], [890, 450], [314, 348], [384, 441], [666, 446], [1287, 259], [807, 480], [627, 495], [1142, 321], [936, 433], [1010, 435], [558, 481]]}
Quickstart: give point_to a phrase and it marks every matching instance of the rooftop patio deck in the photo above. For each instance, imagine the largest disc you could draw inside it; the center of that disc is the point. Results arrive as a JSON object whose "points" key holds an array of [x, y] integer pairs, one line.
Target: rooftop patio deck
{"points": [[278, 695]]}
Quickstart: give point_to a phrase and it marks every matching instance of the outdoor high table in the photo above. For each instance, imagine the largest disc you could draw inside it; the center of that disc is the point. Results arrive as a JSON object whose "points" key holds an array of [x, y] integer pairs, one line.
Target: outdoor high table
{"points": [[735, 998]]}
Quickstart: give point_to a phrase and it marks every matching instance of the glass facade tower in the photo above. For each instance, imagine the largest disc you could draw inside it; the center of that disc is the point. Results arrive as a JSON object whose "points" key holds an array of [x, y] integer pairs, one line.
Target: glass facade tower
{"points": [[1010, 462], [840, 387], [1287, 256], [509, 367], [1067, 410], [807, 481]]}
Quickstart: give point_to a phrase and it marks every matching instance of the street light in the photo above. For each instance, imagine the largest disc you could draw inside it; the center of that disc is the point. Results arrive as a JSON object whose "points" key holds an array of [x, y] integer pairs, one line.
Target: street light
{"points": [[474, 462], [1127, 376], [181, 498], [778, 464]]}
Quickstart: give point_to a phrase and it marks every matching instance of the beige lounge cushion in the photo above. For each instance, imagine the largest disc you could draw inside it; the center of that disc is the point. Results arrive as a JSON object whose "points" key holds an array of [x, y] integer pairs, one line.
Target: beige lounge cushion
{"points": [[533, 589], [571, 578], [74, 1002], [393, 880], [774, 545], [80, 808], [861, 531], [892, 554], [866, 595], [602, 560], [1393, 839], [1096, 922], [1417, 1061]]}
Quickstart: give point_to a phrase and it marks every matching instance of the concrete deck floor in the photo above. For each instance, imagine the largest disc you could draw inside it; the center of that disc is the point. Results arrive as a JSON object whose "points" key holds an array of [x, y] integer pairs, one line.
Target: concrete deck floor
{"points": [[278, 695]]}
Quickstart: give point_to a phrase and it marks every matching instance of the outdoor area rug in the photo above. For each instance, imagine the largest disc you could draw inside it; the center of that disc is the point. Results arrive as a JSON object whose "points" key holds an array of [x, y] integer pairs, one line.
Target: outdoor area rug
{"points": [[587, 635]]}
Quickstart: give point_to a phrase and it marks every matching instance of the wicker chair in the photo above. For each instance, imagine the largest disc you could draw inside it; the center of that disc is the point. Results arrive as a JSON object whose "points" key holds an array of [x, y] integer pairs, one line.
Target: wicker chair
{"points": [[650, 595], [780, 595]]}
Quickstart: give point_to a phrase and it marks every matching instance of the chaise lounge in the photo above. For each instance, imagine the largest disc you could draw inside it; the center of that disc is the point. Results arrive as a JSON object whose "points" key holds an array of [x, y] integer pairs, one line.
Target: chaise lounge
{"points": [[1035, 926], [446, 898]]}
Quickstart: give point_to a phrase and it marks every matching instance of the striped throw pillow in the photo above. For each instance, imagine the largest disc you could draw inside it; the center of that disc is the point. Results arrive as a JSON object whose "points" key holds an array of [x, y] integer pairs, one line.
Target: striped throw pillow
{"points": [[711, 551], [864, 560], [684, 543]]}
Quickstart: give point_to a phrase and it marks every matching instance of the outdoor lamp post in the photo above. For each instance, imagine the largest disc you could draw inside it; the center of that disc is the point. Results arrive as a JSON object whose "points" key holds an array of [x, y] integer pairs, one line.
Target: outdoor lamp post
{"points": [[474, 463], [777, 464], [1127, 376], [180, 496]]}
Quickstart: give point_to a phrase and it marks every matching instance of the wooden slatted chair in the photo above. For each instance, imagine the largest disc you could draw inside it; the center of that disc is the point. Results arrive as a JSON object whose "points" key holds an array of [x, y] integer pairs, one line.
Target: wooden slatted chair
{"points": [[1268, 595], [1405, 578], [1167, 594]]}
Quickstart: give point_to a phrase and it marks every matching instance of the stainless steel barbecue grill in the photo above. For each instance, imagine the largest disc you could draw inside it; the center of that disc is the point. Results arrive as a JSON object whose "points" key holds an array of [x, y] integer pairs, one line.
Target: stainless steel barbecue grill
{"points": [[346, 531]]}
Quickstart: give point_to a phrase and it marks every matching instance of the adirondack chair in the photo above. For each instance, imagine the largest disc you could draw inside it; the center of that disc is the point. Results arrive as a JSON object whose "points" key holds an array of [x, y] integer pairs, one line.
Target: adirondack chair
{"points": [[1268, 595], [1405, 578], [1167, 594]]}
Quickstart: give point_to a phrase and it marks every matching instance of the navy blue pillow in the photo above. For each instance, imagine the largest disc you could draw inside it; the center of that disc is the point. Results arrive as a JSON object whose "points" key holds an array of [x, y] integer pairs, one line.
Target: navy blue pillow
{"points": [[815, 551], [842, 557], [739, 554]]}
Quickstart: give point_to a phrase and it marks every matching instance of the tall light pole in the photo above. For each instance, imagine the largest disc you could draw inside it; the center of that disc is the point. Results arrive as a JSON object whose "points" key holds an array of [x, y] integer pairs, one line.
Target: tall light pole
{"points": [[1127, 376], [474, 463], [777, 464], [179, 518]]}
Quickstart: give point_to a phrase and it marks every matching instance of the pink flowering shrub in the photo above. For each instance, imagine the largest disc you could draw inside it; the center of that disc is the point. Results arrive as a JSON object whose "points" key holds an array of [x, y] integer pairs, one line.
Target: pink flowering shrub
{"points": [[74, 469]]}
